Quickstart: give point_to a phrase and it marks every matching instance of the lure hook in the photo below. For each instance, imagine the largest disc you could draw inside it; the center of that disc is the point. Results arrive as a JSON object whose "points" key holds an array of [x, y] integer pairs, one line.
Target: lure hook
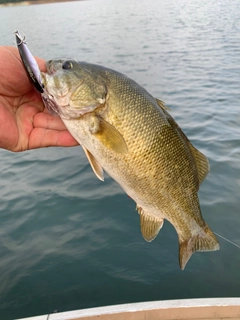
{"points": [[20, 38]]}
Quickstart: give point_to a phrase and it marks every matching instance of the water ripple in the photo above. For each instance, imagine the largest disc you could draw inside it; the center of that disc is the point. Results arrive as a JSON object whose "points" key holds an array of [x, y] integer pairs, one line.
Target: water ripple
{"points": [[64, 235]]}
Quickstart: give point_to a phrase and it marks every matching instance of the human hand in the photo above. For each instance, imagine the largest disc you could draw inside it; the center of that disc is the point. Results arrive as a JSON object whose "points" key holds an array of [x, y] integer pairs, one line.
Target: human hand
{"points": [[24, 122]]}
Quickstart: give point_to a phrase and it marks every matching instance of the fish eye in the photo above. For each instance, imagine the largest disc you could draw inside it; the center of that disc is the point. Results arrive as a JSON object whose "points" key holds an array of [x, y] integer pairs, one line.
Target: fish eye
{"points": [[67, 65]]}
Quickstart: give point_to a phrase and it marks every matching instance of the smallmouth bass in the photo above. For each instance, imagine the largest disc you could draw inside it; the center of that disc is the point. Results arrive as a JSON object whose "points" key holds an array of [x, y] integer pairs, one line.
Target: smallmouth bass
{"points": [[130, 134]]}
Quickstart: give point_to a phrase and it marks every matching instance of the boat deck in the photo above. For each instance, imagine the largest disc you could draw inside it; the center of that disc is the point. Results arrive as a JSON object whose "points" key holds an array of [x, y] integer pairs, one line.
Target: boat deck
{"points": [[200, 309]]}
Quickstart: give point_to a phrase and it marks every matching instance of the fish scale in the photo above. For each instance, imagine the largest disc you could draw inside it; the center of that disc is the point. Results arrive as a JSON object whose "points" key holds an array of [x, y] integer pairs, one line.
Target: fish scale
{"points": [[138, 143]]}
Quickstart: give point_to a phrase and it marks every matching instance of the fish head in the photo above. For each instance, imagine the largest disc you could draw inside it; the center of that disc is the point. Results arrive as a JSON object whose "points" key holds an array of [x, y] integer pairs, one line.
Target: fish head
{"points": [[73, 88]]}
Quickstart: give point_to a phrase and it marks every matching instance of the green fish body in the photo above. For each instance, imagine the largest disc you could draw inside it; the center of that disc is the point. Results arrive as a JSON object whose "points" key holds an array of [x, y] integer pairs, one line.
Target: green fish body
{"points": [[130, 134]]}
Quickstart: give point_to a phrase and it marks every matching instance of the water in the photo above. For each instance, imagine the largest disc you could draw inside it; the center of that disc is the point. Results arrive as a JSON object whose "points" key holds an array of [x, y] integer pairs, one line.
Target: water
{"points": [[69, 241]]}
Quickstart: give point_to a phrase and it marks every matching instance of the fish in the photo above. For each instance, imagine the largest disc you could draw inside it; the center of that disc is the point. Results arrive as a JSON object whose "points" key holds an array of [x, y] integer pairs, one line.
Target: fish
{"points": [[130, 135]]}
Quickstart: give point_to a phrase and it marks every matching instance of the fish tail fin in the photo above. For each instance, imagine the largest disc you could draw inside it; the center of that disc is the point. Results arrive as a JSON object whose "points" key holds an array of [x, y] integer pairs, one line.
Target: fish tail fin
{"points": [[205, 240]]}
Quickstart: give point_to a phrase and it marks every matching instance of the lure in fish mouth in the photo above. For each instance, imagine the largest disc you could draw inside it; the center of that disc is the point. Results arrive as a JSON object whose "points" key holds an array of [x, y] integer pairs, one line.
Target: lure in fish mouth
{"points": [[128, 133], [43, 82], [34, 74]]}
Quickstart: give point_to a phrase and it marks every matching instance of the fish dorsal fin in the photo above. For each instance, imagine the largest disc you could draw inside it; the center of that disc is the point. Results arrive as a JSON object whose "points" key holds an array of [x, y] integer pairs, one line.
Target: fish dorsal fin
{"points": [[200, 159], [202, 163], [162, 104], [110, 137], [97, 169], [150, 225]]}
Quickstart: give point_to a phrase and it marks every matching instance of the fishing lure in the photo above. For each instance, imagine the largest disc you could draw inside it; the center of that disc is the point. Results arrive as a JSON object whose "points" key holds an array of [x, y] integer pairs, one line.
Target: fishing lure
{"points": [[34, 74], [29, 63]]}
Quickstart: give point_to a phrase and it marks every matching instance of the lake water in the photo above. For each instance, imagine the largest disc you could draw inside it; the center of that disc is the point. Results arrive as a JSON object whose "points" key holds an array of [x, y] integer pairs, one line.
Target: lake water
{"points": [[69, 241]]}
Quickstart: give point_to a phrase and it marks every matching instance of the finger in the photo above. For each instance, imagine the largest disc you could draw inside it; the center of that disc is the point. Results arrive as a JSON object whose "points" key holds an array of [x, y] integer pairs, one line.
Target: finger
{"points": [[46, 120], [7, 50], [14, 78], [41, 64], [41, 138]]}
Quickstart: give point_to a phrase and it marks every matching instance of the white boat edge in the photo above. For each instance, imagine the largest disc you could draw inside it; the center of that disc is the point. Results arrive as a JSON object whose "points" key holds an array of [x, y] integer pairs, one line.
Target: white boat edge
{"points": [[212, 307]]}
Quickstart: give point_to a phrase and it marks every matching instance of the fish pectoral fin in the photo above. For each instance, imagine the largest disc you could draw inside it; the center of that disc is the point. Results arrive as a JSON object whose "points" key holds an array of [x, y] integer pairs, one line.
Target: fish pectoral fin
{"points": [[97, 169], [150, 225], [202, 163], [110, 137], [203, 241], [162, 104]]}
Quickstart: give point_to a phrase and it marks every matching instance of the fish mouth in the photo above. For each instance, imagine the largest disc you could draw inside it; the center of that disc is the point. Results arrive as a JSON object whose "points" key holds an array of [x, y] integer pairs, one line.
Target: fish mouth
{"points": [[47, 98], [51, 105], [53, 66]]}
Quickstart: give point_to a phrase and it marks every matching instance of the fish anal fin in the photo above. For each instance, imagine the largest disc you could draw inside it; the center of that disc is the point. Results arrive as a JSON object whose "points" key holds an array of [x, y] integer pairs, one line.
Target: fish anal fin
{"points": [[110, 136], [162, 104], [97, 169], [204, 241], [202, 163], [150, 225]]}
